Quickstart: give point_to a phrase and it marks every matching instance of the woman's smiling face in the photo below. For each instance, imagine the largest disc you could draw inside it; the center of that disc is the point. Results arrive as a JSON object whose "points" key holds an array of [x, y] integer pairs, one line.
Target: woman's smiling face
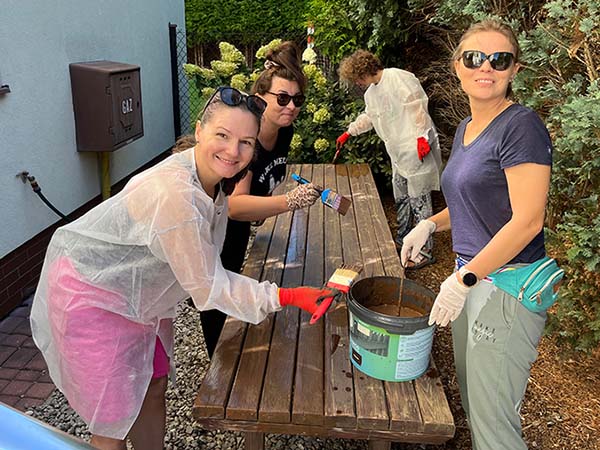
{"points": [[484, 83], [226, 143]]}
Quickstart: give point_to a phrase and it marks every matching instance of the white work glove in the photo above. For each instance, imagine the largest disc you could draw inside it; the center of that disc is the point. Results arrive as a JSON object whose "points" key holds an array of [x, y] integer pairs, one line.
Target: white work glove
{"points": [[449, 302], [414, 241], [302, 196]]}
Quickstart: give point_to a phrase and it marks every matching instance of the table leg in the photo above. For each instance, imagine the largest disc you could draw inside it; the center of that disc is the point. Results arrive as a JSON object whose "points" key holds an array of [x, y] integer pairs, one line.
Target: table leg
{"points": [[379, 445], [255, 441]]}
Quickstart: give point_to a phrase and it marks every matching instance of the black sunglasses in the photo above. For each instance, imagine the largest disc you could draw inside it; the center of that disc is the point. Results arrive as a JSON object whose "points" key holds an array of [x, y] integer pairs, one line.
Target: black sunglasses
{"points": [[232, 97], [284, 99], [472, 59]]}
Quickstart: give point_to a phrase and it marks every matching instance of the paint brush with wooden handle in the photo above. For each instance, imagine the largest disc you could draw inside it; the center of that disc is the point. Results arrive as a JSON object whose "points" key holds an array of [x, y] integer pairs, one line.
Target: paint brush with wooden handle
{"points": [[342, 280]]}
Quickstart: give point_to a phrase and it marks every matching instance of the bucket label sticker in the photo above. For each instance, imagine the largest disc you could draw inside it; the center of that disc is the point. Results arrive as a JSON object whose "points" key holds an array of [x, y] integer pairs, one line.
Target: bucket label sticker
{"points": [[413, 353], [368, 339]]}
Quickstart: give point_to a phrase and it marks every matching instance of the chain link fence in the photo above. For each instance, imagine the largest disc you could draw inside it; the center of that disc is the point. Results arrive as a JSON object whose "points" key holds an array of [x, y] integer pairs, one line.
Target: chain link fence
{"points": [[186, 101]]}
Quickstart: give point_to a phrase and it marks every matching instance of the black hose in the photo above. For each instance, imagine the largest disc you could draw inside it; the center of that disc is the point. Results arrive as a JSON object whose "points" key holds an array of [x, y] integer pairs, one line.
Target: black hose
{"points": [[38, 190]]}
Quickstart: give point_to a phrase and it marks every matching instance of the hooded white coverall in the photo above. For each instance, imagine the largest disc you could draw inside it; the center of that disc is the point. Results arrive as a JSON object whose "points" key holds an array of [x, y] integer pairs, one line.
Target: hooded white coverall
{"points": [[397, 108], [111, 281]]}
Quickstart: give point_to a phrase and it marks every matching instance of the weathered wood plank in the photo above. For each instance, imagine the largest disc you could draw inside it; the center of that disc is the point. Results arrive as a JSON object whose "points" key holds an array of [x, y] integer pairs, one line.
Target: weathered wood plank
{"points": [[437, 417], [339, 389], [321, 431], [275, 405], [308, 384], [371, 407], [214, 391], [244, 399], [213, 394]]}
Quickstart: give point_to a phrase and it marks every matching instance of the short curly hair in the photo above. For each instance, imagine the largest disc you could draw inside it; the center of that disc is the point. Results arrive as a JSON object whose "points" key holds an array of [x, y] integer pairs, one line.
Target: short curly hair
{"points": [[359, 64]]}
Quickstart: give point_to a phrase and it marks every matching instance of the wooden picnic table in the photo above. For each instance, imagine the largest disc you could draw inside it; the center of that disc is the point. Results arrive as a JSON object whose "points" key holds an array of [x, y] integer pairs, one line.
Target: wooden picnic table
{"points": [[288, 377]]}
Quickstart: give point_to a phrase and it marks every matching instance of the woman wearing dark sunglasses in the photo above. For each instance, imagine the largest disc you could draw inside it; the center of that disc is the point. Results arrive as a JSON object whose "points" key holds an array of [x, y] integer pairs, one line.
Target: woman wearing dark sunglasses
{"points": [[396, 106], [496, 184], [102, 314], [281, 85]]}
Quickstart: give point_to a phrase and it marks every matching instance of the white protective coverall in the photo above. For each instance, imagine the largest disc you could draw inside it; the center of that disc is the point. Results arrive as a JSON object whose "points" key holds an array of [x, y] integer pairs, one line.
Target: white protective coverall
{"points": [[397, 108], [111, 281]]}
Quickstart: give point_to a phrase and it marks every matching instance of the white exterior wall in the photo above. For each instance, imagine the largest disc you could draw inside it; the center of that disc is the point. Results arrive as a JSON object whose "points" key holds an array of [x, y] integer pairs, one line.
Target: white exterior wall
{"points": [[38, 41]]}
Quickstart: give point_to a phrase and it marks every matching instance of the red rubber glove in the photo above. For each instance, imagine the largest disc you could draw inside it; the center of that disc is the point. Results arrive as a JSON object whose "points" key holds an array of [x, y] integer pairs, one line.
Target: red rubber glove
{"points": [[423, 148], [339, 143], [306, 298]]}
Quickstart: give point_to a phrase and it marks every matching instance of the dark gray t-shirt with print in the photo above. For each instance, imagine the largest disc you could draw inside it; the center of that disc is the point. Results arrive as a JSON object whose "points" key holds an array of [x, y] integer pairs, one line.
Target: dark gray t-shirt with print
{"points": [[474, 183]]}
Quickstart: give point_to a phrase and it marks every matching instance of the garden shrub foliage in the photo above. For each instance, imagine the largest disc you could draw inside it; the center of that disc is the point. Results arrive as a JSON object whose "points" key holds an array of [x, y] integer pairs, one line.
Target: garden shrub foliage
{"points": [[560, 40]]}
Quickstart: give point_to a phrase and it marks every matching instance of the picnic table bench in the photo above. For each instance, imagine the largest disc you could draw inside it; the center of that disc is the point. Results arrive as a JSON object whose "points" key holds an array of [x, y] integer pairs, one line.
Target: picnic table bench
{"points": [[288, 377]]}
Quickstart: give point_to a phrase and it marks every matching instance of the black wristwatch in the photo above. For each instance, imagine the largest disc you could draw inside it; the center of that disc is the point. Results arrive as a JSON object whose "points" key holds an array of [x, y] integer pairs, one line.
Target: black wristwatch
{"points": [[469, 279]]}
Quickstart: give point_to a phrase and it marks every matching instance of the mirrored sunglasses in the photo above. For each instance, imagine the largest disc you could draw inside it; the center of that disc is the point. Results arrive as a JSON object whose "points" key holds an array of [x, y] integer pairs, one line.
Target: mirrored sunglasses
{"points": [[232, 97], [473, 59], [284, 99]]}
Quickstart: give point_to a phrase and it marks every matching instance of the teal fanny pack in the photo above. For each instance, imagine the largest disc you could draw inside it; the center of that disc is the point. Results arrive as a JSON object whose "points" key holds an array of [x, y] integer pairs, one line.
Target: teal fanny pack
{"points": [[534, 285]]}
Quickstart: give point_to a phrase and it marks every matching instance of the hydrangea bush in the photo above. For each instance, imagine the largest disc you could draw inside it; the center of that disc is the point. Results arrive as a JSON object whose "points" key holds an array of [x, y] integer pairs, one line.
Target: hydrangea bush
{"points": [[328, 110]]}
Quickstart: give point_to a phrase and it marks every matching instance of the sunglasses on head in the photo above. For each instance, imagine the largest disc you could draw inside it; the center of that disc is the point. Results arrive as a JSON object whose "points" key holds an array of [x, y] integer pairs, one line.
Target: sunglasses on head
{"points": [[284, 99], [473, 59], [232, 97]]}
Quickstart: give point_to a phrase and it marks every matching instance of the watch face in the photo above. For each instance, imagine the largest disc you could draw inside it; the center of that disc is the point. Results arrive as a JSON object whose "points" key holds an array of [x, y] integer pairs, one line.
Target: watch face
{"points": [[469, 279]]}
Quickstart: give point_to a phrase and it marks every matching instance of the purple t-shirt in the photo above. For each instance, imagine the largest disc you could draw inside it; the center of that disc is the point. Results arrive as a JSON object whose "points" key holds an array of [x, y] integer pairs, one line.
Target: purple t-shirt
{"points": [[474, 183]]}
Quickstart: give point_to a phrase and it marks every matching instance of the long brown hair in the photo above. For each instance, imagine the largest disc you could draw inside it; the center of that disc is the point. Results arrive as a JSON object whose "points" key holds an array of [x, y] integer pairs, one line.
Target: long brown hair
{"points": [[283, 62]]}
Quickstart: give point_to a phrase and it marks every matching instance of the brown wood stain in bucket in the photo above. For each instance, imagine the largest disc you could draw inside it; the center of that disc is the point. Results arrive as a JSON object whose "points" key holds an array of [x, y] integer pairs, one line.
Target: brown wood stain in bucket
{"points": [[391, 309]]}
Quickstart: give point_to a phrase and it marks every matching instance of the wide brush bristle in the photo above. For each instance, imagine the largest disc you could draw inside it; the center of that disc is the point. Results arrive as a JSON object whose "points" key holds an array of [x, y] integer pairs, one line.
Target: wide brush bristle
{"points": [[344, 276], [338, 202]]}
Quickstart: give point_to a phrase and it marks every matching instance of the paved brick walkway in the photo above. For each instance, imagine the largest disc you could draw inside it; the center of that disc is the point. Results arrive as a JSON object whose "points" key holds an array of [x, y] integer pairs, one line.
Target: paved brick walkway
{"points": [[24, 380]]}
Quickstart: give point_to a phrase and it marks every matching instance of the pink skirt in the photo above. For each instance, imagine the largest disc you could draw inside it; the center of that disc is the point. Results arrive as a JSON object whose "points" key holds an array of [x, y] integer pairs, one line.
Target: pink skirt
{"points": [[105, 364]]}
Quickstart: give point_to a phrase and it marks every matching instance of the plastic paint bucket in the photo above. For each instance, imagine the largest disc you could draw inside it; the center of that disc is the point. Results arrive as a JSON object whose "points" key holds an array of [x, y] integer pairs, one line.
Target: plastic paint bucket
{"points": [[386, 346]]}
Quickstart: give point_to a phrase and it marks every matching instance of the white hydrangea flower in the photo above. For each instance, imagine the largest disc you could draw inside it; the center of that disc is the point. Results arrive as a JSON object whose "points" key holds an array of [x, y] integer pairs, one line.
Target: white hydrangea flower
{"points": [[223, 68], [239, 81], [321, 145], [309, 55], [261, 53], [230, 54], [207, 92], [321, 116], [296, 143], [191, 70]]}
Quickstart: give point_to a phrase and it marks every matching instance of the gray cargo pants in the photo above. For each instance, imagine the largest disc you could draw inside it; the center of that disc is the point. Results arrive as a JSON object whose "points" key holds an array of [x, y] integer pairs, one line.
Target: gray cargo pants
{"points": [[495, 343]]}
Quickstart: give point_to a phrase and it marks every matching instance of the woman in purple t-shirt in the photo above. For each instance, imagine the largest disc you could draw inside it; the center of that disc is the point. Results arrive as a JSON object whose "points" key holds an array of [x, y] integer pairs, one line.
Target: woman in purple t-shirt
{"points": [[495, 185]]}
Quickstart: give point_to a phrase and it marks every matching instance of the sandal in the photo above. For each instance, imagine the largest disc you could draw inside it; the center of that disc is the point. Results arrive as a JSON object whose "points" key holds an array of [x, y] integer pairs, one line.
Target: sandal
{"points": [[426, 260]]}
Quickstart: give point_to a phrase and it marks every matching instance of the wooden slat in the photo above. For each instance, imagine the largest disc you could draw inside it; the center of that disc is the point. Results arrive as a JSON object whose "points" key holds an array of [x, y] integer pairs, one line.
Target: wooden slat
{"points": [[244, 399], [339, 389], [321, 431], [213, 394], [385, 241], [308, 384], [214, 390], [371, 407], [275, 405], [437, 417], [404, 408]]}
